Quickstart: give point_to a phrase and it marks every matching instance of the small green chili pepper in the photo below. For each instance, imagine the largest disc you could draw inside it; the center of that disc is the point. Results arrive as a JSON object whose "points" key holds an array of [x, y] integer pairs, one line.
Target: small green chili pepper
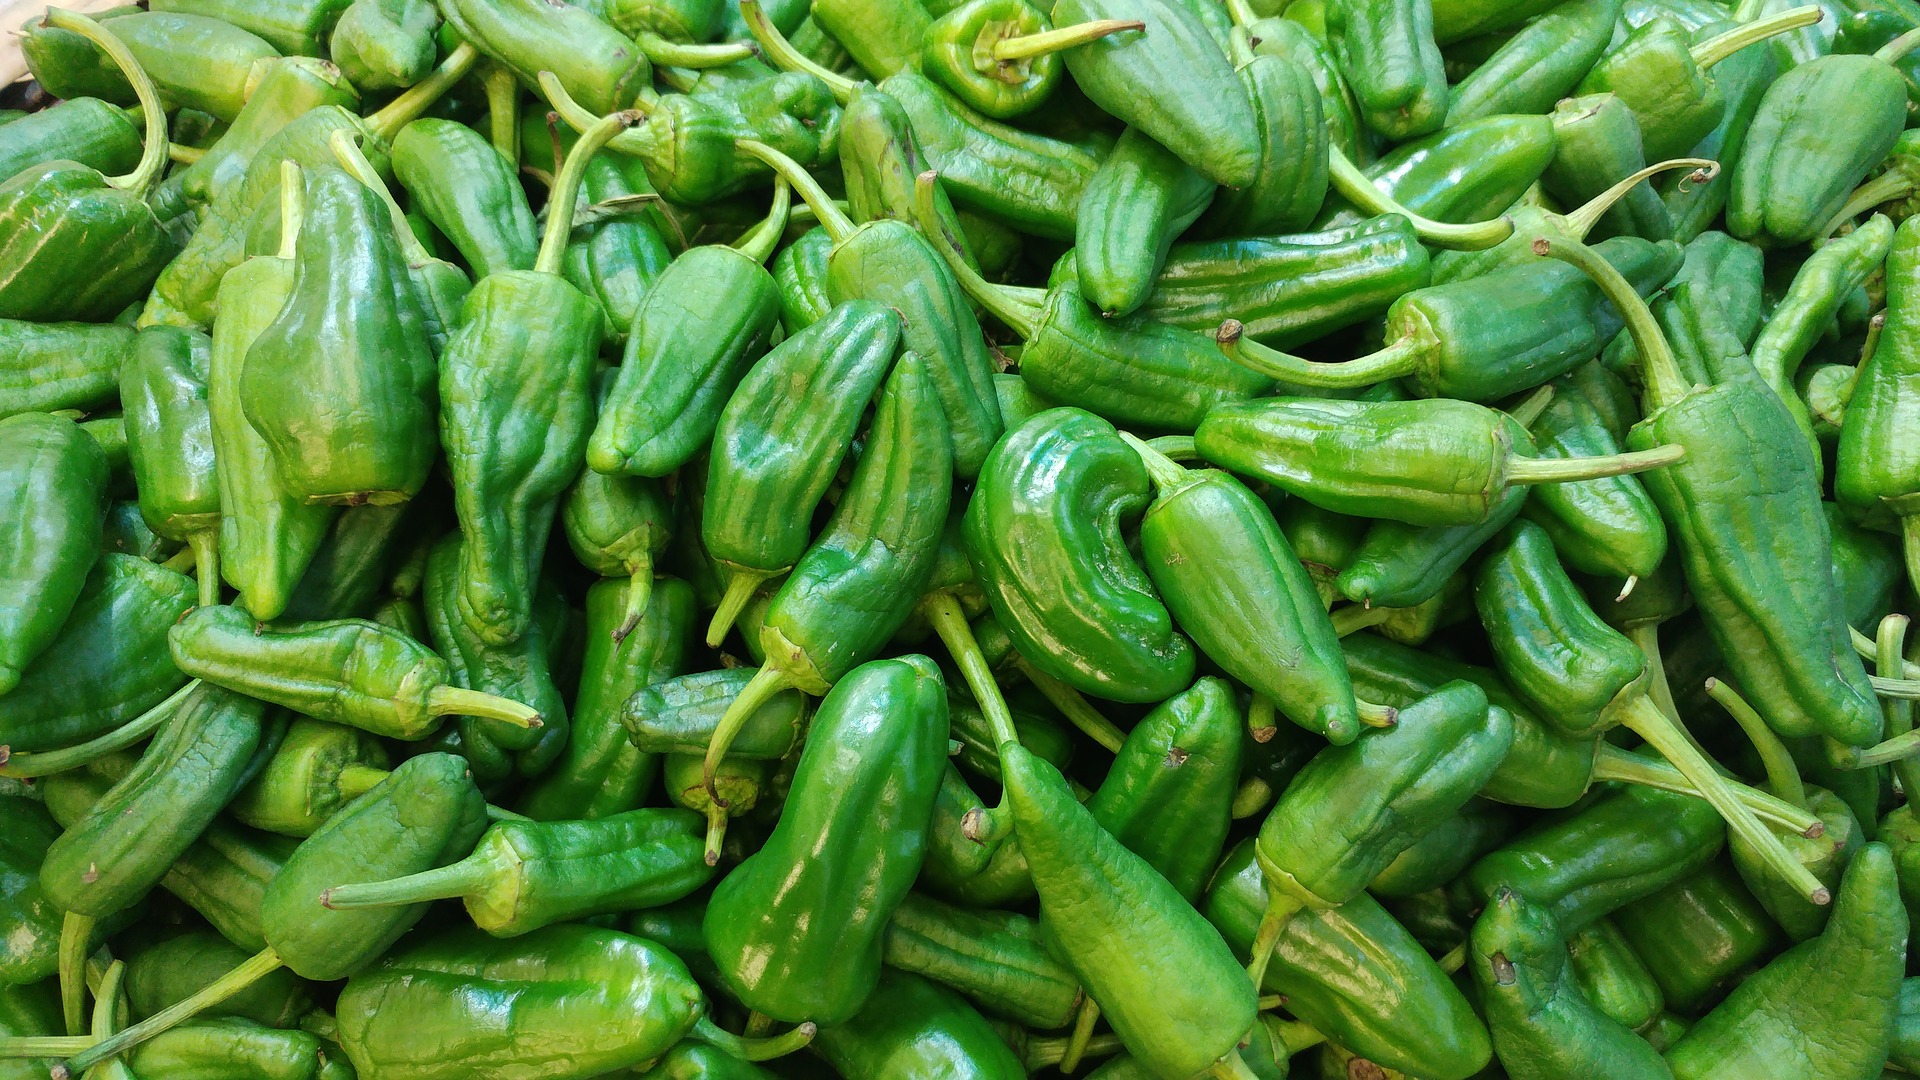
{"points": [[679, 716], [915, 1027], [1139, 200], [1388, 55], [1596, 142], [385, 44], [1002, 56], [1538, 65], [170, 440], [469, 192], [1876, 474], [1700, 936], [55, 481], [82, 129], [318, 769], [170, 970], [999, 959]]}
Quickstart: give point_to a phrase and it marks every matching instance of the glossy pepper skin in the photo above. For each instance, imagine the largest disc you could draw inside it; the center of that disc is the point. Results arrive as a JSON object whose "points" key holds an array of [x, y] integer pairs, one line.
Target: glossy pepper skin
{"points": [[959, 53], [105, 665], [679, 715], [1542, 1025], [1043, 531], [1470, 172], [214, 1046], [1140, 199], [29, 952], [53, 477], [915, 1027], [585, 1001], [169, 423], [1596, 142], [864, 784], [470, 193], [1387, 53], [196, 62], [1607, 526], [166, 971], [83, 129], [1876, 473], [61, 365], [599, 66], [1793, 1018], [1538, 65], [1229, 577], [1613, 977], [130, 838], [999, 959], [1699, 936], [1179, 1007], [1807, 309], [317, 769]]}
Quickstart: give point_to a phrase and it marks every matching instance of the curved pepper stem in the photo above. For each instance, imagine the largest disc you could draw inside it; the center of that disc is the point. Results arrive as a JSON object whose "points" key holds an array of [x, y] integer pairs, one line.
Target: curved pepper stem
{"points": [[754, 1049], [1898, 47], [1281, 908], [346, 150], [503, 112], [1250, 798], [639, 594], [1356, 188], [252, 970], [566, 186], [206, 564], [1888, 186], [758, 242], [449, 700], [356, 780], [1581, 221], [1532, 470], [1660, 372], [664, 53], [760, 689], [1783, 776], [943, 613], [833, 219], [46, 763], [1027, 46], [415, 100], [293, 209], [1000, 302], [1399, 358], [467, 877], [742, 583], [1353, 618], [1869, 650], [1166, 473], [781, 54], [76, 934], [1081, 1037], [153, 156], [1718, 48], [1891, 642], [1613, 764]]}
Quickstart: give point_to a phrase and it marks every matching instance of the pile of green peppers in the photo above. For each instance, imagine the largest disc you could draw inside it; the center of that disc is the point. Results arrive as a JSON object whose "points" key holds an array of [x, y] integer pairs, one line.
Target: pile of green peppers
{"points": [[960, 540]]}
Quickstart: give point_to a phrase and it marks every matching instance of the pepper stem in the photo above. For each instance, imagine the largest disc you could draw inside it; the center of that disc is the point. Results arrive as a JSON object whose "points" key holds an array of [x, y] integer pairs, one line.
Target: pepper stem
{"points": [[580, 118], [76, 933], [1646, 638], [1783, 776], [833, 219], [1165, 472], [781, 53], [1532, 470], [1898, 47], [1401, 357], [33, 1046], [1892, 642], [716, 833], [346, 150], [1352, 618], [467, 877], [1252, 796], [206, 559], [765, 683], [503, 112], [1888, 186], [1664, 381], [501, 813], [1866, 647], [943, 612], [1454, 959], [418, 98], [1909, 525], [566, 187], [1082, 1034], [758, 242], [293, 208], [742, 583], [1356, 188], [450, 700], [1060, 38], [747, 1049], [1905, 689], [639, 594], [1581, 221], [1177, 447], [1611, 763], [1372, 715], [1242, 13], [1000, 303], [663, 53], [1665, 735], [1073, 705], [1042, 1053], [1281, 908], [1231, 1067], [181, 562], [153, 156], [46, 763], [356, 780], [252, 970], [1718, 48], [1260, 723]]}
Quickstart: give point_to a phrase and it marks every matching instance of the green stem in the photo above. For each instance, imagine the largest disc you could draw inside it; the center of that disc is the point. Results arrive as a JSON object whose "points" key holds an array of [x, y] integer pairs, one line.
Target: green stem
{"points": [[346, 150], [950, 623], [1177, 447], [1281, 908], [1783, 776], [1232, 1067], [503, 112], [1718, 48], [566, 187], [781, 53], [1372, 715], [1242, 13], [206, 560], [1646, 638], [182, 561], [1000, 303], [1898, 748], [48, 762], [639, 594], [758, 242], [1661, 374], [1060, 38], [663, 53], [106, 1001], [1347, 179], [39, 1046], [501, 813], [1667, 738], [1252, 796], [1073, 705], [1906, 689], [1352, 618], [765, 683], [356, 780], [1082, 1034], [253, 969], [76, 933], [1165, 472], [467, 877], [1296, 1036], [1045, 1053], [1532, 470], [1909, 525], [1898, 47], [418, 98], [1400, 357], [742, 583], [1892, 644], [1581, 222], [450, 700], [153, 156], [1454, 959], [748, 1049], [1867, 648], [716, 833], [838, 225], [1532, 406], [1613, 764], [1260, 723], [1886, 187]]}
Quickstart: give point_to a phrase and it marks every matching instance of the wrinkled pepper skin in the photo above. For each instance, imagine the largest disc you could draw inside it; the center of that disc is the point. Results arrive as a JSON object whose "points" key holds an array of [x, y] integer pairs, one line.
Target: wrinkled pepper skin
{"points": [[1043, 531], [1699, 936], [1794, 1019], [1292, 182], [1743, 78], [600, 67], [1387, 53], [1607, 526], [1140, 199], [131, 837], [426, 814], [53, 495], [166, 971], [470, 193], [678, 716], [385, 44], [1356, 974], [59, 366], [998, 959], [1538, 65], [1440, 856], [522, 670], [916, 1028], [105, 665], [229, 1046], [77, 246], [300, 786], [585, 1001], [1469, 172], [865, 784], [1179, 1007], [170, 441], [1876, 472], [1543, 1026], [1596, 142]]}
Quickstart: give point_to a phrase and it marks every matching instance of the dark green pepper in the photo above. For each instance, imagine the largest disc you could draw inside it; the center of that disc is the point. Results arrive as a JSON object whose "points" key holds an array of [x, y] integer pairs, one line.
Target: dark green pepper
{"points": [[1607, 526], [1538, 65], [914, 1027], [469, 192], [1876, 474], [29, 949], [58, 366], [169, 423], [1002, 56], [1140, 199], [1613, 977], [1699, 936], [680, 715], [54, 476], [230, 1047], [85, 129], [1441, 855], [1807, 310], [1388, 55], [999, 959], [1470, 172], [1743, 79]]}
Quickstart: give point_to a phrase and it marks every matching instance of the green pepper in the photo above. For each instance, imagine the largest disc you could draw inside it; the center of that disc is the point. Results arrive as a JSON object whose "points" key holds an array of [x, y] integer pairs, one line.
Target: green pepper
{"points": [[83, 129], [1388, 55], [60, 366], [104, 666], [441, 287], [1542, 1024], [287, 89], [1771, 608], [1700, 936], [385, 44], [881, 38], [1794, 1018], [194, 61], [999, 959], [1798, 168], [1607, 526], [1613, 977], [1441, 855], [879, 159], [469, 192], [348, 671], [800, 273], [526, 875], [692, 1060], [1354, 973], [295, 27], [268, 534], [1470, 172], [1140, 199], [1290, 40], [914, 1027], [163, 972], [679, 716], [1043, 531], [730, 790], [349, 573], [163, 390], [602, 772], [318, 768], [1538, 65], [855, 586], [1228, 576], [55, 478], [842, 855], [83, 245], [1002, 56], [1596, 142], [1180, 1007], [29, 949], [599, 66], [229, 1047], [1743, 79], [1874, 474], [986, 872]]}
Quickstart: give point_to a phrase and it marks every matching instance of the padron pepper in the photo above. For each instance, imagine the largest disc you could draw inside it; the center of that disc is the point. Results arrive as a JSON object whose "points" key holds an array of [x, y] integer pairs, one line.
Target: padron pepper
{"points": [[679, 716], [58, 366], [1743, 79], [999, 959], [1807, 310], [1467, 173], [1002, 56], [79, 244], [1138, 202], [1699, 936], [170, 440], [469, 192], [1876, 472], [1613, 977], [83, 129], [196, 62], [1292, 182], [295, 27], [915, 1027], [318, 768], [1606, 526], [53, 488], [385, 44], [1540, 64], [1388, 55], [441, 287], [162, 972], [1596, 142]]}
